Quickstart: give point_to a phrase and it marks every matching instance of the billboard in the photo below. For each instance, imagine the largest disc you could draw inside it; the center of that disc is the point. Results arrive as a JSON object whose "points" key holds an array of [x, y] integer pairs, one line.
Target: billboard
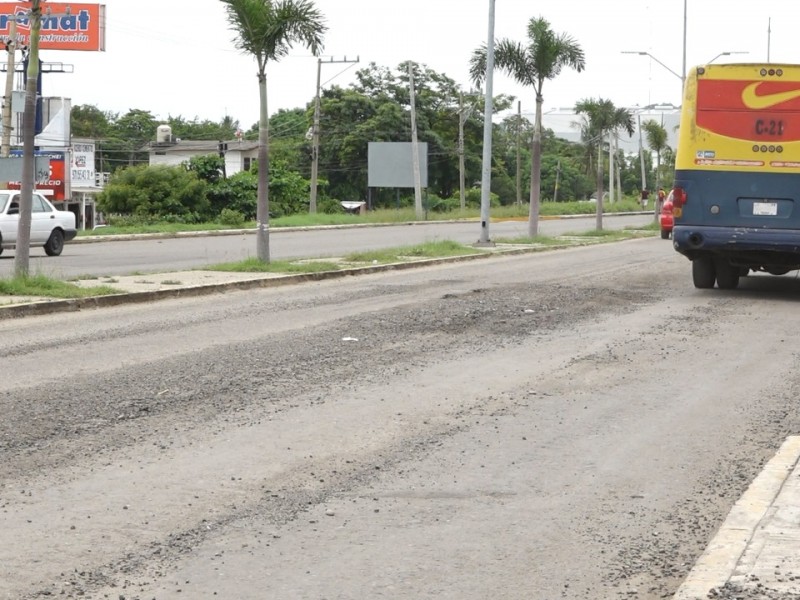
{"points": [[52, 184], [65, 26], [390, 164], [81, 168]]}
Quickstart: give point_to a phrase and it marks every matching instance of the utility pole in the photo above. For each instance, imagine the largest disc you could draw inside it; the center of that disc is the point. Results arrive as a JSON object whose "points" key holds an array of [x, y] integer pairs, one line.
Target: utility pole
{"points": [[558, 177], [519, 155], [22, 253], [415, 147], [312, 204], [461, 119], [641, 153], [463, 115], [611, 135], [486, 173], [11, 48]]}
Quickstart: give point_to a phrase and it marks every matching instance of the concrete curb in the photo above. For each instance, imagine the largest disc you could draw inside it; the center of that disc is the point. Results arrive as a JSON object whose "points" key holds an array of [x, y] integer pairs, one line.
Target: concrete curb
{"points": [[735, 549], [42, 307], [88, 239]]}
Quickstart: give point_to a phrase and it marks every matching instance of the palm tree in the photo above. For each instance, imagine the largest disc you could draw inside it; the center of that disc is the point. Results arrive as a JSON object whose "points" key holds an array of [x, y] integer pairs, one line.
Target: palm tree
{"points": [[267, 30], [656, 136], [603, 118], [542, 58]]}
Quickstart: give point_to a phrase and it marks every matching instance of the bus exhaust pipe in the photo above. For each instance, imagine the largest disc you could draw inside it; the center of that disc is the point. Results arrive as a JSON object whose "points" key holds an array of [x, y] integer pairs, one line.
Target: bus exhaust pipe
{"points": [[695, 240]]}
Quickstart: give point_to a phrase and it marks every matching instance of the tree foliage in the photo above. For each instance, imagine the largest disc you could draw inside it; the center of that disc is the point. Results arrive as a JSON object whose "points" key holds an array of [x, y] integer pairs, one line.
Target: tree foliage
{"points": [[266, 30], [543, 57], [157, 193]]}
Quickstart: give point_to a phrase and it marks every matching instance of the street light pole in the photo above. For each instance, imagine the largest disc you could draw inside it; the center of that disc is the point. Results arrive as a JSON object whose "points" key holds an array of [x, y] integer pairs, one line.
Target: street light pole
{"points": [[683, 70], [643, 53], [724, 54], [486, 174]]}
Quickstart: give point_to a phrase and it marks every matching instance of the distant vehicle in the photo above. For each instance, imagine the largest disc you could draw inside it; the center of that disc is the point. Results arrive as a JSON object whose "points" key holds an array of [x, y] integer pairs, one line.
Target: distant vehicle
{"points": [[50, 227], [665, 218], [736, 196]]}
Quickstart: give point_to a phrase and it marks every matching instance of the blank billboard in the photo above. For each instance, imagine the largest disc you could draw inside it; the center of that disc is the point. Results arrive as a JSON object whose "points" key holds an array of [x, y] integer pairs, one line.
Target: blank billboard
{"points": [[391, 164]]}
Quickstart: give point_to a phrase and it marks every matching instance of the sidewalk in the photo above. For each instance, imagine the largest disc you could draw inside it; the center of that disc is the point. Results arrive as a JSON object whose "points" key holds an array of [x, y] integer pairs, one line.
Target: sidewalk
{"points": [[756, 552]]}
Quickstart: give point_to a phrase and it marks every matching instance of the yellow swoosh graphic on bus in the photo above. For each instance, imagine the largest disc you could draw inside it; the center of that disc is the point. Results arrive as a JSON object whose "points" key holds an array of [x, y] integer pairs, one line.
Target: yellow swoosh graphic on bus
{"points": [[756, 102]]}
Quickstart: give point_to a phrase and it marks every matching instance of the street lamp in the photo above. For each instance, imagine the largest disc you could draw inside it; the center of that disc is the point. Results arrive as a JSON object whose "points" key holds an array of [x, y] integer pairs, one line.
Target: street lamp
{"points": [[724, 54], [642, 53]]}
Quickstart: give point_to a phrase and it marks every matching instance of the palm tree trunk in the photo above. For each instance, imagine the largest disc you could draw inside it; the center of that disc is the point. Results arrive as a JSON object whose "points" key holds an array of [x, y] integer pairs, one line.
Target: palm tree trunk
{"points": [[262, 207], [536, 170], [657, 202]]}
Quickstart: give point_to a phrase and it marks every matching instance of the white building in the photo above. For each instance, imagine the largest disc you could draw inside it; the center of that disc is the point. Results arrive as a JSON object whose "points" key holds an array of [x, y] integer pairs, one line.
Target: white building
{"points": [[565, 124], [171, 151]]}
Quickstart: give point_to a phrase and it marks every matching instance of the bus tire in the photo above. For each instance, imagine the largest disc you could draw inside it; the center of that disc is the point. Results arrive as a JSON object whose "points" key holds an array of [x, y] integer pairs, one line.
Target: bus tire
{"points": [[704, 274], [727, 275]]}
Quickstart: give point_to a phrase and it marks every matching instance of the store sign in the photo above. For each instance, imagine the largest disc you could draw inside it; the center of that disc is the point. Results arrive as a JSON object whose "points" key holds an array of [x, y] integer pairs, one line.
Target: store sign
{"points": [[81, 166], [65, 26], [52, 184]]}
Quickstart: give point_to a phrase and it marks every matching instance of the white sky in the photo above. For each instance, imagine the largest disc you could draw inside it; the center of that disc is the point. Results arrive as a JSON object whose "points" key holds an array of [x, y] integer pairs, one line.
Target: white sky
{"points": [[176, 57]]}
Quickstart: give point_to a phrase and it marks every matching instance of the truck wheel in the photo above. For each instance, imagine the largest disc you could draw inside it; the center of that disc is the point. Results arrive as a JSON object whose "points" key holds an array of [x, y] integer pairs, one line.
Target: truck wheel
{"points": [[703, 272], [727, 275], [664, 234]]}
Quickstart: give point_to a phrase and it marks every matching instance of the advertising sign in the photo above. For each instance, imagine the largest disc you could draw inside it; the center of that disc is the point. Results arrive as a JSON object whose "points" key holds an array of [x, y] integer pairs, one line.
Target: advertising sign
{"points": [[65, 26], [54, 185], [82, 165]]}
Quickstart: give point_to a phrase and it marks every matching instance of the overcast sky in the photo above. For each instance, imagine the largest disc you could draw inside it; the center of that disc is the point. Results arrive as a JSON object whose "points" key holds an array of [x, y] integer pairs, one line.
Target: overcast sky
{"points": [[176, 57]]}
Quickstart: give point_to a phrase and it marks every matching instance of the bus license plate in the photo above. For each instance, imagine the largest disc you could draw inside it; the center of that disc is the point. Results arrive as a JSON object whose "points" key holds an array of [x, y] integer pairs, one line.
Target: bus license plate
{"points": [[767, 209]]}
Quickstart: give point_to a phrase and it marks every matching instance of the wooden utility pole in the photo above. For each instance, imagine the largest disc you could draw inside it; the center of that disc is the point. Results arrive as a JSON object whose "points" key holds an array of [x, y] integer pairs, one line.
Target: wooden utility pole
{"points": [[414, 147], [11, 48], [312, 203]]}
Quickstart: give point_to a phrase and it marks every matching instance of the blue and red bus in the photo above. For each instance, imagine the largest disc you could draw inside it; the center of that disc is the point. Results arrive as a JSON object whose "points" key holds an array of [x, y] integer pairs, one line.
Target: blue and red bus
{"points": [[736, 196]]}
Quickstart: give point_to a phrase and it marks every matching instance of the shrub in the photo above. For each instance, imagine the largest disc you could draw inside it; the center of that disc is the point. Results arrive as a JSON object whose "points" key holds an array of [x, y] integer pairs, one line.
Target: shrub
{"points": [[231, 218]]}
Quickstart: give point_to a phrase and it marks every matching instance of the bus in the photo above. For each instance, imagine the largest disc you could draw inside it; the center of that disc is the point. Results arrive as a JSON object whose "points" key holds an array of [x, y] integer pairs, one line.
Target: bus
{"points": [[736, 192]]}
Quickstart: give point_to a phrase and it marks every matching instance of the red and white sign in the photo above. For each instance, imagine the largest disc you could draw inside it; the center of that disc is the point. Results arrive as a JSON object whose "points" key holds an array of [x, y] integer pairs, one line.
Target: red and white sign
{"points": [[65, 26]]}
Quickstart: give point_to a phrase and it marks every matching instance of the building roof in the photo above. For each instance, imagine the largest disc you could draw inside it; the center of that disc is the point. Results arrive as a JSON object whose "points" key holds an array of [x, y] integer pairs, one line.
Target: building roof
{"points": [[204, 146]]}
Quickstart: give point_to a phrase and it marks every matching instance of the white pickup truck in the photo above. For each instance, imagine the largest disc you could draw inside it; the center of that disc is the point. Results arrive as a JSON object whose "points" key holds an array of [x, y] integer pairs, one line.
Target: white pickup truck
{"points": [[50, 227]]}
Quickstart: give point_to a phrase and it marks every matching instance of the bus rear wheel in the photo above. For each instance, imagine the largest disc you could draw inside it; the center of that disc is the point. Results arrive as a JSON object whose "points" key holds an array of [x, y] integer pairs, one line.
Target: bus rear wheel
{"points": [[704, 274]]}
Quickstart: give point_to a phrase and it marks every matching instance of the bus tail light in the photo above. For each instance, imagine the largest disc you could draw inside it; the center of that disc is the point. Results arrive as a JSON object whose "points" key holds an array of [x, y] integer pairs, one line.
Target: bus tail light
{"points": [[679, 197]]}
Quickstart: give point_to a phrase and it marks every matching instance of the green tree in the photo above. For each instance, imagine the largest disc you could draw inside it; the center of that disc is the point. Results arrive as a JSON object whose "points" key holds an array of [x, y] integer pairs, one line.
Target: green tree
{"points": [[208, 167], [287, 135], [203, 129], [88, 121], [239, 193], [376, 108], [135, 129], [267, 30], [156, 193], [602, 117], [543, 58], [656, 136]]}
